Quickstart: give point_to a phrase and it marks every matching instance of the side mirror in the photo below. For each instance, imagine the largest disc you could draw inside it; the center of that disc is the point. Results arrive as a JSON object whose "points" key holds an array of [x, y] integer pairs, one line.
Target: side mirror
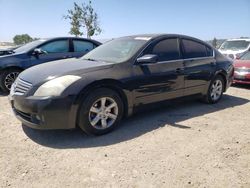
{"points": [[38, 51], [150, 58]]}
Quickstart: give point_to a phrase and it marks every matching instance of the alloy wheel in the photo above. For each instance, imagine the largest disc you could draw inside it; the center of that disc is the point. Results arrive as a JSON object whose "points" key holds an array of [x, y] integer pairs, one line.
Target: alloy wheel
{"points": [[216, 90], [103, 113], [9, 79]]}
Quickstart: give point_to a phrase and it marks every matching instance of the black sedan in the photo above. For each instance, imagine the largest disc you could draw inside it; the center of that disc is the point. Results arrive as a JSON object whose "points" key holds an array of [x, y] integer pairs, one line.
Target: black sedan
{"points": [[97, 90], [40, 51]]}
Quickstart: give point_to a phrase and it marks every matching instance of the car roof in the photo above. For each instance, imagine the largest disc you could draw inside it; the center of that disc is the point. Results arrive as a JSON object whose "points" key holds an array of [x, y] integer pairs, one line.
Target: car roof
{"points": [[158, 36], [153, 36], [81, 38], [243, 39]]}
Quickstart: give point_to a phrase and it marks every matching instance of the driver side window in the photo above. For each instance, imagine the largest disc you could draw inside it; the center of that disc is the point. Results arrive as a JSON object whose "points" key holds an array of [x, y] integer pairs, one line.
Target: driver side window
{"points": [[166, 50], [59, 46]]}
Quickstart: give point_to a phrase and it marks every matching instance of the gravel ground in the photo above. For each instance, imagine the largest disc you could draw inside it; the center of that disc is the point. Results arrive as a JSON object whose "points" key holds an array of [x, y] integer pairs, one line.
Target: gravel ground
{"points": [[185, 144]]}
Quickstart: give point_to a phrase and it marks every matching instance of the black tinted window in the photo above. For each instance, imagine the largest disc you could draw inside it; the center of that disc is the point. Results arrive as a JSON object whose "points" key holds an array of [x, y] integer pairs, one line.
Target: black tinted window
{"points": [[166, 50], [193, 49]]}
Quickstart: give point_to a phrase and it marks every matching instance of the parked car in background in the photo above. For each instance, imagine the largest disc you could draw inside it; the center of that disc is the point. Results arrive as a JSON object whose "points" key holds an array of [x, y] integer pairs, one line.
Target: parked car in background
{"points": [[97, 90], [234, 48], [8, 51], [242, 69], [41, 51], [5, 52]]}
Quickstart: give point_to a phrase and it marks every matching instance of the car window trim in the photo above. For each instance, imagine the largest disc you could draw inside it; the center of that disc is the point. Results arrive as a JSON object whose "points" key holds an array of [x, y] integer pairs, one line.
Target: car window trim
{"points": [[186, 59], [46, 42], [163, 62], [181, 53]]}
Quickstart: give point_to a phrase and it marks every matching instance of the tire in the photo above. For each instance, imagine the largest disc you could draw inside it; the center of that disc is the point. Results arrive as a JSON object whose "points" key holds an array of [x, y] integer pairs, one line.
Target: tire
{"points": [[215, 90], [7, 78], [100, 112]]}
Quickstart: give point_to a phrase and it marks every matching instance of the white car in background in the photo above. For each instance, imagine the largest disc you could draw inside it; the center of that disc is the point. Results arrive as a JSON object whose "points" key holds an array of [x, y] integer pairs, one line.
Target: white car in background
{"points": [[234, 48]]}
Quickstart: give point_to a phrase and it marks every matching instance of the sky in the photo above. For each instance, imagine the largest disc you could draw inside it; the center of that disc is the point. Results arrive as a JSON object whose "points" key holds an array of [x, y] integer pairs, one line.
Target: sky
{"points": [[204, 19]]}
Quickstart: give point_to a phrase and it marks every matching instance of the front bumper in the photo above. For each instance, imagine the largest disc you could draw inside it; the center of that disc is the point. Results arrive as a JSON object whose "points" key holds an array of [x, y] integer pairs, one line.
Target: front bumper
{"points": [[242, 78], [44, 113]]}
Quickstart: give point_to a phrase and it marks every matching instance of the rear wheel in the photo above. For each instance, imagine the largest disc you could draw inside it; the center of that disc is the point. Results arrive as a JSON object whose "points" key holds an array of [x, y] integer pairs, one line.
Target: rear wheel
{"points": [[100, 112], [7, 78], [215, 90]]}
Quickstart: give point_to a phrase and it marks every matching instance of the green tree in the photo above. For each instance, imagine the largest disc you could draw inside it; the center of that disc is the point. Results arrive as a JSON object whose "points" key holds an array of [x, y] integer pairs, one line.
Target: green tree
{"points": [[90, 20], [22, 39], [214, 42], [75, 16], [84, 17]]}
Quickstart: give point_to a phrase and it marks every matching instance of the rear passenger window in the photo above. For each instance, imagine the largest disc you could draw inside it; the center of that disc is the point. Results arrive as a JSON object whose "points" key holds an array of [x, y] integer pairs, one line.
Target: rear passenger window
{"points": [[83, 46], [166, 50], [193, 49]]}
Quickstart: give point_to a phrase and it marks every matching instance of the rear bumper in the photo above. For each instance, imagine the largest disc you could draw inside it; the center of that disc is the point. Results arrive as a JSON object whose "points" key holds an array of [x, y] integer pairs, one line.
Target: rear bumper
{"points": [[44, 113]]}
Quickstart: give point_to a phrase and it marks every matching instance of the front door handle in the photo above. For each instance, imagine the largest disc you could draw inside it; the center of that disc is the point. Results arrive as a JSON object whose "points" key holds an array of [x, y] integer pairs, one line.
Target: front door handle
{"points": [[179, 70], [213, 63], [67, 56]]}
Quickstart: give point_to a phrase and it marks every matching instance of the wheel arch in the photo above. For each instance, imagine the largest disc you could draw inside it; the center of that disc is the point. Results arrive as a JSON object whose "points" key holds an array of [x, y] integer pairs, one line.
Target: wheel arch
{"points": [[11, 67], [114, 85], [224, 77]]}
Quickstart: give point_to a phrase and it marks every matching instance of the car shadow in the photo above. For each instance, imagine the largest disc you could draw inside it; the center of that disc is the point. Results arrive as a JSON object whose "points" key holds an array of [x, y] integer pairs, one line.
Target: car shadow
{"points": [[2, 94], [152, 118]]}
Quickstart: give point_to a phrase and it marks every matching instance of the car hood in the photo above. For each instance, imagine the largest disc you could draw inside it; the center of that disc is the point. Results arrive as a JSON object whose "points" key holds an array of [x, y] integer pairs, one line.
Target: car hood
{"points": [[10, 58], [50, 70], [231, 51], [242, 63]]}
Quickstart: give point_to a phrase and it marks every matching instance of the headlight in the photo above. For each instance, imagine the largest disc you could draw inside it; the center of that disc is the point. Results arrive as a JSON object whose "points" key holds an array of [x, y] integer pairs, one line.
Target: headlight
{"points": [[56, 86]]}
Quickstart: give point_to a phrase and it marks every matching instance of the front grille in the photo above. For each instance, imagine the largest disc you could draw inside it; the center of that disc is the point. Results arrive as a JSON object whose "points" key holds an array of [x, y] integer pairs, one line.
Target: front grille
{"points": [[242, 70], [229, 55], [21, 86], [23, 115]]}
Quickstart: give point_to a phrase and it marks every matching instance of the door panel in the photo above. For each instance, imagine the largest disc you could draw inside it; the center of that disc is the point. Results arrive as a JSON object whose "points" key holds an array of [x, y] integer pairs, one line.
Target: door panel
{"points": [[159, 81], [43, 58], [199, 65], [198, 72]]}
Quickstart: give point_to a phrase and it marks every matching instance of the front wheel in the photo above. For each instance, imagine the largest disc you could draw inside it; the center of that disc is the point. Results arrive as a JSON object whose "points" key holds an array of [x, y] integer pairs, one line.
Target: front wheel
{"points": [[215, 90], [100, 112], [7, 78]]}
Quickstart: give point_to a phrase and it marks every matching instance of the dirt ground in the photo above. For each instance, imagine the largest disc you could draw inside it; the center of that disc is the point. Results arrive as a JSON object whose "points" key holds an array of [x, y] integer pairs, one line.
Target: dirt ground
{"points": [[183, 144]]}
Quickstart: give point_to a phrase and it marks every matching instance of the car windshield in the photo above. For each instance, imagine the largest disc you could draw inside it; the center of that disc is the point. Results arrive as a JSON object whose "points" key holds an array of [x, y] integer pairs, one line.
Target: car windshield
{"points": [[29, 46], [246, 56], [118, 50], [235, 45]]}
